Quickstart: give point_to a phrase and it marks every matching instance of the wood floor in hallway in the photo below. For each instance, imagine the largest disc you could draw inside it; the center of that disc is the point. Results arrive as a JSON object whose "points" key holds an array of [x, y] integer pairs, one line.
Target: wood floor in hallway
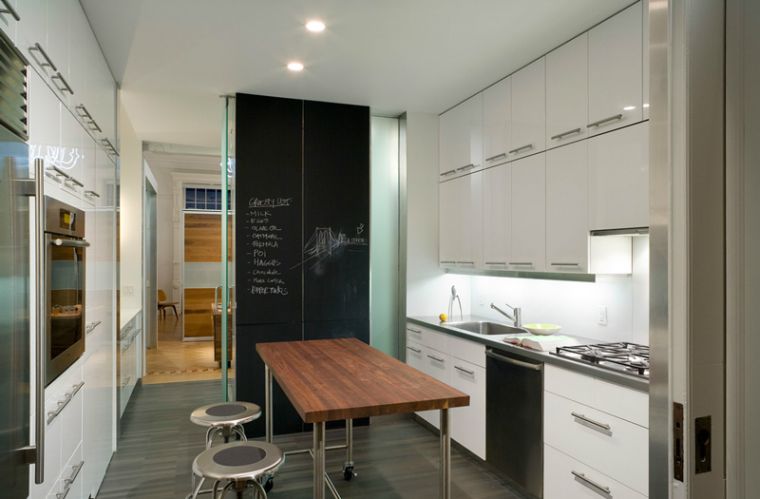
{"points": [[395, 457], [174, 360]]}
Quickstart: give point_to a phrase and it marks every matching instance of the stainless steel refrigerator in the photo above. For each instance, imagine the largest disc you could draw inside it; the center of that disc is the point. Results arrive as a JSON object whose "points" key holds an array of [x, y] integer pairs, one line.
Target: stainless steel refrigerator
{"points": [[16, 191]]}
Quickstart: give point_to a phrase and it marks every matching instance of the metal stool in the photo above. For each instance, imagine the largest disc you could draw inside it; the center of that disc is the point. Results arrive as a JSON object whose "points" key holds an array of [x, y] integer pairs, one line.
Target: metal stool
{"points": [[236, 466], [225, 419]]}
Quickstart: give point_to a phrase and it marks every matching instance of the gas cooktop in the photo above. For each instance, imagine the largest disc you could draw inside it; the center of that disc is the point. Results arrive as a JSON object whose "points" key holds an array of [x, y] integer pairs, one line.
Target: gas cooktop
{"points": [[629, 358]]}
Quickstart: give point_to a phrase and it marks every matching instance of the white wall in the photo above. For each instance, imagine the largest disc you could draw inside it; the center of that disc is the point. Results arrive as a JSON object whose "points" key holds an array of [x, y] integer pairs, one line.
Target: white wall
{"points": [[427, 286], [576, 305], [131, 218]]}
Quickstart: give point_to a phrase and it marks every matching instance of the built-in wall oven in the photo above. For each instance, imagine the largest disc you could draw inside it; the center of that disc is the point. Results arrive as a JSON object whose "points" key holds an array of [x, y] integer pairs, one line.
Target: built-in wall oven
{"points": [[65, 253]]}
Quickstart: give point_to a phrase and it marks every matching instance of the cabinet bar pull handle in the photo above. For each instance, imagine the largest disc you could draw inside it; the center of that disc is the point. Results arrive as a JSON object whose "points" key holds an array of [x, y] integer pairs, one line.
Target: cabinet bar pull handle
{"points": [[74, 473], [415, 350], [565, 134], [91, 326], [85, 115], [72, 180], [91, 194], [466, 371], [437, 359], [521, 149], [596, 425], [48, 61], [63, 403], [450, 172], [599, 489], [501, 155], [9, 10], [465, 262], [412, 330], [465, 167], [66, 87], [448, 261], [560, 264], [521, 263], [617, 117], [496, 263]]}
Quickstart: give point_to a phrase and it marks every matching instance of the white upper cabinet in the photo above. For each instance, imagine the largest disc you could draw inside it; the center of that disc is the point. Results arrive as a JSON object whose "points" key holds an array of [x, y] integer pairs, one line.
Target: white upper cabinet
{"points": [[567, 208], [528, 209], [496, 217], [567, 92], [615, 71], [497, 122], [619, 179], [528, 110], [57, 46], [461, 138], [460, 221]]}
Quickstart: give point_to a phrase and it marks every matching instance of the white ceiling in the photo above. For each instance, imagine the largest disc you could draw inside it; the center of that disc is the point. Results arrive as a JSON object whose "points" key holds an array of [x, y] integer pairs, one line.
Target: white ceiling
{"points": [[174, 58]]}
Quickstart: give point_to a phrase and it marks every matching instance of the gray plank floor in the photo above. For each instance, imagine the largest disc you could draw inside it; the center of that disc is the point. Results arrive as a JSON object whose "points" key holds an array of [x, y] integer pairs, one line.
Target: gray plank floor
{"points": [[395, 457]]}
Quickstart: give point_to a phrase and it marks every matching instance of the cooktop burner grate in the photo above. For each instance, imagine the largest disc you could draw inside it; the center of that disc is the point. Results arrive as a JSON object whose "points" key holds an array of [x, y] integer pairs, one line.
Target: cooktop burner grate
{"points": [[621, 356]]}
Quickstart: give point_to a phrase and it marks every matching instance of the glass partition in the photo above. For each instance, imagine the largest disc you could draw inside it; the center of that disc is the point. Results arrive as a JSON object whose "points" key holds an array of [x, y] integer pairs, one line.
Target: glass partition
{"points": [[227, 320]]}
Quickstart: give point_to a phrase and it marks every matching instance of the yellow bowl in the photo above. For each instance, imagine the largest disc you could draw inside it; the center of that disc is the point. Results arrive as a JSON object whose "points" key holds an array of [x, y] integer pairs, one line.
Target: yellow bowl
{"points": [[542, 328]]}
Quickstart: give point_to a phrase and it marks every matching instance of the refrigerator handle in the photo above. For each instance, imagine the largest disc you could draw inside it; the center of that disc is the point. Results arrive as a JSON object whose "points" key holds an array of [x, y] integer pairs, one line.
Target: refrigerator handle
{"points": [[41, 299]]}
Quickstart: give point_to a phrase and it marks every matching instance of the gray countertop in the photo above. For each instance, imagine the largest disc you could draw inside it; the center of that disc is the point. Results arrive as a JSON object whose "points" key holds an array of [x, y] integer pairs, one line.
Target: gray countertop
{"points": [[496, 342]]}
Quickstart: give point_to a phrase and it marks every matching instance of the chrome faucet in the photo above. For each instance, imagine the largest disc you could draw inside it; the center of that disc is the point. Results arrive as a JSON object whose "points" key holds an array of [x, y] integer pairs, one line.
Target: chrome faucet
{"points": [[516, 318], [455, 296]]}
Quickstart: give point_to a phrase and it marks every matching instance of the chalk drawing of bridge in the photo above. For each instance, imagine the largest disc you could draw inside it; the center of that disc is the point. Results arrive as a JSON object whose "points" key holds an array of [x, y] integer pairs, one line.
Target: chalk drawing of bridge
{"points": [[325, 243]]}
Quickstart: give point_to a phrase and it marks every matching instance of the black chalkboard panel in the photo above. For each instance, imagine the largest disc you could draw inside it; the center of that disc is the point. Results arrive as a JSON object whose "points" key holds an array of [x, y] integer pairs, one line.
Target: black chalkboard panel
{"points": [[268, 207], [336, 213], [302, 232]]}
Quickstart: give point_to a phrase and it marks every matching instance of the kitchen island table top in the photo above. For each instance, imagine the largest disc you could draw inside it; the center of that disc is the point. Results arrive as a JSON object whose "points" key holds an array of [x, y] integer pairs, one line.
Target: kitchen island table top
{"points": [[335, 379]]}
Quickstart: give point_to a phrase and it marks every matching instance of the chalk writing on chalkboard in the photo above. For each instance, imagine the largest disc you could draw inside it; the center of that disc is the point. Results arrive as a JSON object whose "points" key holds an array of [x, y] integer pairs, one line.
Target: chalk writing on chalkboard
{"points": [[325, 243], [266, 241]]}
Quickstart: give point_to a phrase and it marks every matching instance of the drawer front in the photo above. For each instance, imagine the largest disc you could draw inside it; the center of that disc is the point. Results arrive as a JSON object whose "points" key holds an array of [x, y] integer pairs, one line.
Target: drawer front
{"points": [[469, 351], [625, 403], [568, 478], [427, 337], [70, 481], [469, 423], [613, 446], [413, 333]]}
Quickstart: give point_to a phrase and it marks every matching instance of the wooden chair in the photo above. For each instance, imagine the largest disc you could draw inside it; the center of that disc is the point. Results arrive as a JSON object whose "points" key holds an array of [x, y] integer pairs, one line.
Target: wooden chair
{"points": [[164, 303]]}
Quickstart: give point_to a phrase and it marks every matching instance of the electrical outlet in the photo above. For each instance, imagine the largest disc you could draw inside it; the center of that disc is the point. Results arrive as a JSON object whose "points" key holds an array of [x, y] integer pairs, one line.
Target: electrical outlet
{"points": [[602, 315]]}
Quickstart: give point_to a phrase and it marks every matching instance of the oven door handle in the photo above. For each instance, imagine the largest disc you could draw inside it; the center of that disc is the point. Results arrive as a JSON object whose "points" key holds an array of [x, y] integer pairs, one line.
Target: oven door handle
{"points": [[71, 243]]}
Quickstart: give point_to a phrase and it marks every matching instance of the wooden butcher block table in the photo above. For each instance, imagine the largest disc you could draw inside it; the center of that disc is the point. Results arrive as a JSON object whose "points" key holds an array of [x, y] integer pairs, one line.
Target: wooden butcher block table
{"points": [[328, 380]]}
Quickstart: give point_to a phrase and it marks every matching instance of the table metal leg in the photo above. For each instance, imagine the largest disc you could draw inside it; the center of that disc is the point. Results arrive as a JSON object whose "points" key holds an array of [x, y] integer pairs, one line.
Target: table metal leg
{"points": [[445, 454], [268, 403], [319, 460], [348, 466]]}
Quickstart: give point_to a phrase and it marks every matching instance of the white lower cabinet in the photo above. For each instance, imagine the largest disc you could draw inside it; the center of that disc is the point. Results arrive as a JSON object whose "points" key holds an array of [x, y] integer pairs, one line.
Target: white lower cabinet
{"points": [[590, 428], [468, 423], [63, 432], [568, 478], [459, 363]]}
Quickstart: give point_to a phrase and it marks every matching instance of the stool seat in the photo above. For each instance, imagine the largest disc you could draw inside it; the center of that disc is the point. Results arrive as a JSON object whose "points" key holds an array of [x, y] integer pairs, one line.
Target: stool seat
{"points": [[237, 461], [225, 413]]}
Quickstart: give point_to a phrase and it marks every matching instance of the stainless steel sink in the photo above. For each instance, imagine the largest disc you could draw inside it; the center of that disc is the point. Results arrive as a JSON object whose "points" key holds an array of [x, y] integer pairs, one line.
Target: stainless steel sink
{"points": [[487, 328]]}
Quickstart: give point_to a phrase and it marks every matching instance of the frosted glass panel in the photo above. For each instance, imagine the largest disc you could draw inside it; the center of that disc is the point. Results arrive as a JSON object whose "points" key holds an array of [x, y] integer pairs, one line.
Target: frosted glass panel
{"points": [[384, 236]]}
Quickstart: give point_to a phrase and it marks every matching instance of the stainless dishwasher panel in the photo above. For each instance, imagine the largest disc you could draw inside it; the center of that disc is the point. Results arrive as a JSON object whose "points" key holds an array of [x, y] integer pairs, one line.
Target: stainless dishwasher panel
{"points": [[514, 420]]}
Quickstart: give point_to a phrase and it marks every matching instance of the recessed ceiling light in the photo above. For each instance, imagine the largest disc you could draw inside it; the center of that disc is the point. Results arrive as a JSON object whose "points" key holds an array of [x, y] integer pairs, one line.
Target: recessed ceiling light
{"points": [[629, 108], [315, 26], [645, 105], [295, 66]]}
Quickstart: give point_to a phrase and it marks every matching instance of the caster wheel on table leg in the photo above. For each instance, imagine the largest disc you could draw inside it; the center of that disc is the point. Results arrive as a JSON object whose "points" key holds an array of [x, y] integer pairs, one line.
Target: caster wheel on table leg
{"points": [[348, 473]]}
